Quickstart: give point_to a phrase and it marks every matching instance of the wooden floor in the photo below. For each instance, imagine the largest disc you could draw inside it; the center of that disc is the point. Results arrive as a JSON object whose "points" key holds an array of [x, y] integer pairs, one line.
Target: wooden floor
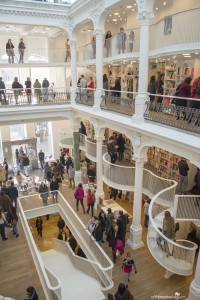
{"points": [[17, 268]]}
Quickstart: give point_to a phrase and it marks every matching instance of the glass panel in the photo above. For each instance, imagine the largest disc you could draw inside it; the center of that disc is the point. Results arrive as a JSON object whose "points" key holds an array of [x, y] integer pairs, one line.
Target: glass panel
{"points": [[17, 132]]}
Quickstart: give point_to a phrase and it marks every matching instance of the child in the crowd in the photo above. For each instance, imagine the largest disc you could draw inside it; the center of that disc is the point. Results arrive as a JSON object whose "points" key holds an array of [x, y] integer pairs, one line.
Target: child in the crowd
{"points": [[127, 266]]}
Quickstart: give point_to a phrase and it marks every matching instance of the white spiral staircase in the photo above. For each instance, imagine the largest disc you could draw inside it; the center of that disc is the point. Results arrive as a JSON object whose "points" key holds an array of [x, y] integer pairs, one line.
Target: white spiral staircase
{"points": [[180, 258]]}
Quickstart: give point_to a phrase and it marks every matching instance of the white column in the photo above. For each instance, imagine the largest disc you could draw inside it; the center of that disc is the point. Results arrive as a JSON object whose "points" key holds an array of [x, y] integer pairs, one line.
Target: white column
{"points": [[194, 292], [99, 69], [99, 170], [64, 79], [135, 240], [142, 97], [73, 71]]}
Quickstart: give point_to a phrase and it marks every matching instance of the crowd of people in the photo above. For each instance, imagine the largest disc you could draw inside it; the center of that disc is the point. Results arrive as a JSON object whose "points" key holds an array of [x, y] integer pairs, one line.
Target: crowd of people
{"points": [[116, 144], [42, 92], [124, 42], [183, 91]]}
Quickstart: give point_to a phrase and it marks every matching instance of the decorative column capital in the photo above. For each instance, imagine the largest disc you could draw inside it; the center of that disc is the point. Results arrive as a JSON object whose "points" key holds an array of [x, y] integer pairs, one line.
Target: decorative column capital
{"points": [[99, 138], [99, 33], [139, 160], [96, 11], [68, 26], [145, 10]]}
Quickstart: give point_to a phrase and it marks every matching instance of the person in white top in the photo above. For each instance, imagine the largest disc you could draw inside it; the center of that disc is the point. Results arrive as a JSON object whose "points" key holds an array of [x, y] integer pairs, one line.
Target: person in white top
{"points": [[146, 213], [83, 83], [2, 225]]}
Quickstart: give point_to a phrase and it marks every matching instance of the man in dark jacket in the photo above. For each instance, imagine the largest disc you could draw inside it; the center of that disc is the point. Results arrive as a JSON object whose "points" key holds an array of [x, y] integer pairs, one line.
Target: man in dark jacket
{"points": [[112, 150], [41, 158], [122, 222], [2, 91], [54, 186], [45, 86], [13, 193], [183, 171]]}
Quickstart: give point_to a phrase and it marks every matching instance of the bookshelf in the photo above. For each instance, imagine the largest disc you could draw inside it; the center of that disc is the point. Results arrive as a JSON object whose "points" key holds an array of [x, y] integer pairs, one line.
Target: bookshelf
{"points": [[165, 162]]}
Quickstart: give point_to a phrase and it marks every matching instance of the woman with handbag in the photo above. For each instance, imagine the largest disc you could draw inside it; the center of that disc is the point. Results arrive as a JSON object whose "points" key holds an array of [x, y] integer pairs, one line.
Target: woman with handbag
{"points": [[114, 238], [12, 219], [2, 225], [79, 195]]}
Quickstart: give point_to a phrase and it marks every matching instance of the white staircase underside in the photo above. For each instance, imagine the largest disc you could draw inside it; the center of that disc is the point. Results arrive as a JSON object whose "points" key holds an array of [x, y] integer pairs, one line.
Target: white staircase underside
{"points": [[75, 284]]}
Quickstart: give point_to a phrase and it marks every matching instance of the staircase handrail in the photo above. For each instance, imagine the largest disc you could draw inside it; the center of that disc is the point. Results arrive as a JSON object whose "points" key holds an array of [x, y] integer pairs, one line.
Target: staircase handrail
{"points": [[35, 253], [61, 247]]}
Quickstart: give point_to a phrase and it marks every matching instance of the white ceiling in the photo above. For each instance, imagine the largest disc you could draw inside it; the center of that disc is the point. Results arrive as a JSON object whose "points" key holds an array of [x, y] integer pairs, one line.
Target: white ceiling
{"points": [[122, 10]]}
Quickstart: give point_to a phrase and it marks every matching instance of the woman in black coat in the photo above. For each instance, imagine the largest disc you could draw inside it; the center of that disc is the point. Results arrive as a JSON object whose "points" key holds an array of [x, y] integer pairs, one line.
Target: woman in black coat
{"points": [[98, 232], [114, 234], [121, 146]]}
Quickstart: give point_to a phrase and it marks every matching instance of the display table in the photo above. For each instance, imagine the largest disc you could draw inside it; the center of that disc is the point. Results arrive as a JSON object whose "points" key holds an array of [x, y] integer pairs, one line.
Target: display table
{"points": [[91, 186], [29, 184], [115, 207]]}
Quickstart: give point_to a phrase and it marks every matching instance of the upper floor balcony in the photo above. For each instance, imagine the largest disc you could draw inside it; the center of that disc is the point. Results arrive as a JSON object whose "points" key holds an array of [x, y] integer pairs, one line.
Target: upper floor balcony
{"points": [[176, 37]]}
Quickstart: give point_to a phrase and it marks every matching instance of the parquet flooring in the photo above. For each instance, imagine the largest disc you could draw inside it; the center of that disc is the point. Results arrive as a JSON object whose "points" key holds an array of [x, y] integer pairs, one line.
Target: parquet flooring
{"points": [[18, 271]]}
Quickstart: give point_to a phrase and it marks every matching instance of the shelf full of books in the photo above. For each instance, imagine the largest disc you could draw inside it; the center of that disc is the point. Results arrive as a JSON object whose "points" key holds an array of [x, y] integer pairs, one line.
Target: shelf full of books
{"points": [[165, 162]]}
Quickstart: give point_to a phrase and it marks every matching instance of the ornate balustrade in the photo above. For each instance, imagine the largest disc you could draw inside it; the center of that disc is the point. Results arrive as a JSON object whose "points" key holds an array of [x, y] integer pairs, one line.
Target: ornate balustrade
{"points": [[27, 97], [183, 113], [175, 256], [85, 96]]}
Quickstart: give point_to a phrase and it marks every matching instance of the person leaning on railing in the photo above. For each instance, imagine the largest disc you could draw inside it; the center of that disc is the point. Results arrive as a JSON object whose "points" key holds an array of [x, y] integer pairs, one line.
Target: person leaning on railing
{"points": [[183, 90], [195, 93], [37, 90], [17, 88], [168, 231], [2, 91]]}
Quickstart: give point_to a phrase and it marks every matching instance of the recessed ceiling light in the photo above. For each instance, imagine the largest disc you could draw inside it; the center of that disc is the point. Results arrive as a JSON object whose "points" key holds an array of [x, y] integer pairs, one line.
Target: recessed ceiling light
{"points": [[124, 19], [110, 15], [129, 6], [164, 3], [135, 4], [186, 54], [116, 14], [156, 8], [196, 53], [114, 20]]}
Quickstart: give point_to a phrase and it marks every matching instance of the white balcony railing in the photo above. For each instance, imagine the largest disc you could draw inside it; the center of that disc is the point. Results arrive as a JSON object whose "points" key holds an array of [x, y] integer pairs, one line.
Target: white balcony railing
{"points": [[86, 144], [176, 256], [184, 31], [34, 96]]}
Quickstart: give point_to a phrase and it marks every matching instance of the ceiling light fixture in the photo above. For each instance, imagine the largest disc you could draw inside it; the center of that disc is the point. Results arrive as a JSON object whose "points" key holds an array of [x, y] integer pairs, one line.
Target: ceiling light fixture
{"points": [[129, 6], [114, 20], [196, 53], [186, 54], [156, 8], [116, 14], [164, 3]]}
